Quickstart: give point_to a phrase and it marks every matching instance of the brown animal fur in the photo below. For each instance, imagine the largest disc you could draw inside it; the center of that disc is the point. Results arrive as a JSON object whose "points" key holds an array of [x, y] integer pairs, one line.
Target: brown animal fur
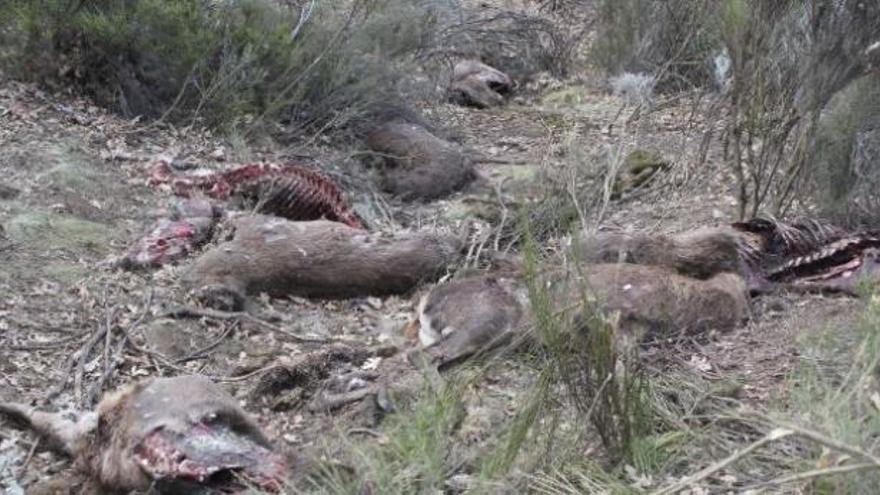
{"points": [[318, 259], [473, 315], [418, 164], [104, 442], [468, 316], [700, 254], [477, 84], [653, 301]]}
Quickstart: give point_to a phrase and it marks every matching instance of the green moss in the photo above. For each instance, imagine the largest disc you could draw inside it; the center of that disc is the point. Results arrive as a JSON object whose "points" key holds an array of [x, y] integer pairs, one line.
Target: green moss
{"points": [[67, 274], [73, 171], [572, 95], [639, 160], [47, 231], [639, 167]]}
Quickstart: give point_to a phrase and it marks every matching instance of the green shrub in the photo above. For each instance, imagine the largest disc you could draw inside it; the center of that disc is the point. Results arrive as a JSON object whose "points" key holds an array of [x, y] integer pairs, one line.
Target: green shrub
{"points": [[845, 160], [788, 59], [416, 458], [228, 63], [673, 40]]}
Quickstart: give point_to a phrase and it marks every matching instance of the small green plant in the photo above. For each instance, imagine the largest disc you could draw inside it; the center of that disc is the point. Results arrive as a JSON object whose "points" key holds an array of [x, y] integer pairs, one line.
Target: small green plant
{"points": [[416, 455], [836, 391], [585, 351]]}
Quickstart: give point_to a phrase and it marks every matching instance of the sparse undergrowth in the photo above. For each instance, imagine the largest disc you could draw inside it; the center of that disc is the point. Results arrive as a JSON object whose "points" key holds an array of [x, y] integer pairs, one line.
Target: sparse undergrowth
{"points": [[847, 150], [255, 66], [228, 64], [593, 419], [649, 428]]}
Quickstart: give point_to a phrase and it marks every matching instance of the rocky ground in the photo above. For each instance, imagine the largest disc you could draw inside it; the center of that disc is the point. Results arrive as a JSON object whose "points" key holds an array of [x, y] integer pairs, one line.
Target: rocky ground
{"points": [[74, 195]]}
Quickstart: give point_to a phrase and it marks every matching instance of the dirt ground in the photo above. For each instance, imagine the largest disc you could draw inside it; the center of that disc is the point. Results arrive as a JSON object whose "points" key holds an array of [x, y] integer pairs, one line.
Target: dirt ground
{"points": [[74, 194]]}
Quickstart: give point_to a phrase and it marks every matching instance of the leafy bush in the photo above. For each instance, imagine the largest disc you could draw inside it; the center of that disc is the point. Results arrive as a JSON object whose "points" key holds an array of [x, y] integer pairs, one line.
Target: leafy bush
{"points": [[788, 60], [230, 63], [846, 161], [673, 40]]}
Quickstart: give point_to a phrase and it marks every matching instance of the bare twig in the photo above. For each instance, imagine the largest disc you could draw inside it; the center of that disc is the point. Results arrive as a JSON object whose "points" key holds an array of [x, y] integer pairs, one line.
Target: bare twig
{"points": [[503, 222], [190, 312], [80, 358], [304, 16], [483, 240], [367, 432], [27, 460], [110, 366], [43, 345], [62, 383], [827, 441], [480, 158], [818, 473], [164, 361], [329, 402], [201, 353], [701, 475], [246, 376]]}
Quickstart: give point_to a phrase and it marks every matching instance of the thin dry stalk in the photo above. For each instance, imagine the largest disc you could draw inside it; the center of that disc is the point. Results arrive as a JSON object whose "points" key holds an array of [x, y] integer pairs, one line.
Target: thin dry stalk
{"points": [[701, 475], [821, 473], [190, 312]]}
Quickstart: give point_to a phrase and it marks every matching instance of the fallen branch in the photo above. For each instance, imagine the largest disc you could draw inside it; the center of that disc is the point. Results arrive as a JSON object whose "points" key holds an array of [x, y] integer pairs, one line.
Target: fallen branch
{"points": [[190, 312], [27, 460], [80, 358], [329, 402], [828, 442], [42, 346], [701, 475], [112, 365], [818, 473], [202, 352], [785, 429]]}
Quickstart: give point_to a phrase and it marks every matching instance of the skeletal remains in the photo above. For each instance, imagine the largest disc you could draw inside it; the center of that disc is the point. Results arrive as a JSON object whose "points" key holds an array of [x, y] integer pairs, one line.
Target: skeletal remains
{"points": [[418, 165], [284, 190], [185, 435], [806, 256], [173, 435]]}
